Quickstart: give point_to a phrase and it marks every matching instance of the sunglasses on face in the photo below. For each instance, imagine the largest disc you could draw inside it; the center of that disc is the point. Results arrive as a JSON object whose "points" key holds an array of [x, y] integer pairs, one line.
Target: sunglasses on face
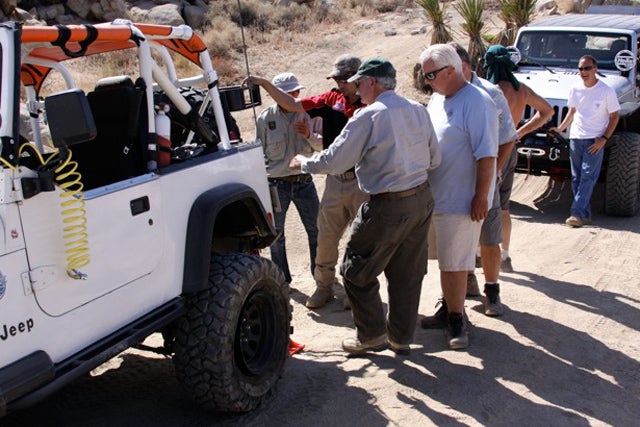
{"points": [[431, 75], [586, 68]]}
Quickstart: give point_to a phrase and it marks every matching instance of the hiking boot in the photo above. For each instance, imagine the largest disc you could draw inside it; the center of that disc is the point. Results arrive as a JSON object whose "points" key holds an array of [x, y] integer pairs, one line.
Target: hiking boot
{"points": [[505, 265], [320, 297], [355, 346], [402, 349], [439, 319], [346, 304], [473, 290], [457, 331], [586, 221], [492, 305], [574, 221]]}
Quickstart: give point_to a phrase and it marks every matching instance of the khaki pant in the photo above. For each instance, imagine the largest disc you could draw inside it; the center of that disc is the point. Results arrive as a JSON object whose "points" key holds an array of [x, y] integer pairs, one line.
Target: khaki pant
{"points": [[339, 205]]}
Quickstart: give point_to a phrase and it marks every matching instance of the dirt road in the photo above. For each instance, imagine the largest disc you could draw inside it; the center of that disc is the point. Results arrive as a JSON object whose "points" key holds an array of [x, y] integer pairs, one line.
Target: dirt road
{"points": [[566, 352]]}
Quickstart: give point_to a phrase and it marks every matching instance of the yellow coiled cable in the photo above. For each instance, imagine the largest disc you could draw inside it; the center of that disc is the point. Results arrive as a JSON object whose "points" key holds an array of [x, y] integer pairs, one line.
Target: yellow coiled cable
{"points": [[73, 212], [73, 216]]}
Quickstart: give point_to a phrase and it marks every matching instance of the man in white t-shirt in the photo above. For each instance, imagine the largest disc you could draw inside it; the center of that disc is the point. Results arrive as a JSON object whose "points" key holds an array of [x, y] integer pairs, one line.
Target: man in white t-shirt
{"points": [[594, 112]]}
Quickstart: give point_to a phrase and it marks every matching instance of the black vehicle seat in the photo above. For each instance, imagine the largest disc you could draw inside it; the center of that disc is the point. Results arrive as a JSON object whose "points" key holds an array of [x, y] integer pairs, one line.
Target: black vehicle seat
{"points": [[116, 152]]}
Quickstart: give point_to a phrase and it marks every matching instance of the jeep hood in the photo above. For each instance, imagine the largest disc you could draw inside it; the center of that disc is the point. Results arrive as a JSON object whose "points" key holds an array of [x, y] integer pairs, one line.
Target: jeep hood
{"points": [[557, 85]]}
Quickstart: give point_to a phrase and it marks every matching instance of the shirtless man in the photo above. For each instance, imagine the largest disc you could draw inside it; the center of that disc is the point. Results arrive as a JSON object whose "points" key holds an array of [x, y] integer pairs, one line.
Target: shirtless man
{"points": [[497, 62]]}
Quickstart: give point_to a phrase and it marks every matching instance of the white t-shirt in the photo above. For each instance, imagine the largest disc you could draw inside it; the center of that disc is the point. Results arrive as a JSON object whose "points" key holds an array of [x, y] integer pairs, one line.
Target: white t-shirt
{"points": [[593, 106]]}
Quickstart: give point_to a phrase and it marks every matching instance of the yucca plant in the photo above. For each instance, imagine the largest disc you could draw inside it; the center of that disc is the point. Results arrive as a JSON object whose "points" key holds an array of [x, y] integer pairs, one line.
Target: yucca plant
{"points": [[471, 13], [507, 36], [435, 14], [515, 14], [523, 12]]}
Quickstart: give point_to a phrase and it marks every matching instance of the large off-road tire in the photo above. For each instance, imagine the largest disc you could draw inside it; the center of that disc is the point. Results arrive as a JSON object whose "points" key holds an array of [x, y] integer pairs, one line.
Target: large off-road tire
{"points": [[622, 184], [231, 346]]}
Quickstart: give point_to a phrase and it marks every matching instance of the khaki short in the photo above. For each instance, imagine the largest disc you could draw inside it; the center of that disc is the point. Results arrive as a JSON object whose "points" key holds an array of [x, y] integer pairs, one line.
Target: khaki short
{"points": [[456, 238]]}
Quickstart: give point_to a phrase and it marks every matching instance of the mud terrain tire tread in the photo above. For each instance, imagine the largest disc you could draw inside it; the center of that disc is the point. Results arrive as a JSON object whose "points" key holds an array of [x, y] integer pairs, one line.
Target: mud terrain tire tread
{"points": [[622, 184], [231, 346]]}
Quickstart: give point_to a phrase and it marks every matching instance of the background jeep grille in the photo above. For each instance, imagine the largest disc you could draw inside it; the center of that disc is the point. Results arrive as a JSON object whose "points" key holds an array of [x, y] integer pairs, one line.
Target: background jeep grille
{"points": [[555, 120]]}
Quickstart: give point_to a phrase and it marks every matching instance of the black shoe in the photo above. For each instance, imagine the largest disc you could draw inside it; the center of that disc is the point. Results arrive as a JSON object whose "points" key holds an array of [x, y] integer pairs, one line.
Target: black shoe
{"points": [[439, 319], [457, 331], [492, 304]]}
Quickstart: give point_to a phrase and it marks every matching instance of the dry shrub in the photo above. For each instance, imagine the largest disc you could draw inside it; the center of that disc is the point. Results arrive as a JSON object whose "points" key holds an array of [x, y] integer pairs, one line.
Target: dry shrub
{"points": [[223, 38]]}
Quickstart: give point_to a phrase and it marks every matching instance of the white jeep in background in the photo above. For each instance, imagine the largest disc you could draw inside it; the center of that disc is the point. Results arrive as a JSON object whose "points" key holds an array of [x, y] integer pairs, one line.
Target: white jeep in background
{"points": [[547, 53], [144, 216]]}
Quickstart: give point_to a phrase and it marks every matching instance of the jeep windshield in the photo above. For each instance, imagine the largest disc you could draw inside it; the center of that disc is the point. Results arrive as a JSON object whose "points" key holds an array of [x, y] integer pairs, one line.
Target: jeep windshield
{"points": [[565, 48]]}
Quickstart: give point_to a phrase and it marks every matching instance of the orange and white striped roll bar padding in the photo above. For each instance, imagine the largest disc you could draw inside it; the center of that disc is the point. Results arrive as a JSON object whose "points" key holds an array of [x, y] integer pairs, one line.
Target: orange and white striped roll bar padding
{"points": [[110, 37]]}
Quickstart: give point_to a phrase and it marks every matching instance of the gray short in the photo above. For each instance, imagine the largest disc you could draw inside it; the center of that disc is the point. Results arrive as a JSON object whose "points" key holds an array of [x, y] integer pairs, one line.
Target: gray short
{"points": [[506, 184], [491, 232], [456, 240]]}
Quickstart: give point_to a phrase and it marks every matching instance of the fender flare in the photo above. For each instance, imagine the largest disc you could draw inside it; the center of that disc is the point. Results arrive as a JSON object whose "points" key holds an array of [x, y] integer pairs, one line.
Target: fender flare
{"points": [[200, 229]]}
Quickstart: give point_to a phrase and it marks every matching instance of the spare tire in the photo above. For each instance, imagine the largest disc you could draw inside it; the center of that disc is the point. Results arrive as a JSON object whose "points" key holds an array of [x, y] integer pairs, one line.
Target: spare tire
{"points": [[231, 345], [622, 183]]}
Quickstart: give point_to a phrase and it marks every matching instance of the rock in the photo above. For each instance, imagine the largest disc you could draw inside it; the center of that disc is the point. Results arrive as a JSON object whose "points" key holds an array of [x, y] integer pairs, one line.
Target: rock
{"points": [[194, 16], [82, 8], [48, 13], [165, 14], [8, 6], [391, 32]]}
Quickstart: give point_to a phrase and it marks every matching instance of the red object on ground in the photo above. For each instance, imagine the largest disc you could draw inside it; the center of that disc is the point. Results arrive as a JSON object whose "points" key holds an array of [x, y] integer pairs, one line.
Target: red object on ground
{"points": [[294, 347]]}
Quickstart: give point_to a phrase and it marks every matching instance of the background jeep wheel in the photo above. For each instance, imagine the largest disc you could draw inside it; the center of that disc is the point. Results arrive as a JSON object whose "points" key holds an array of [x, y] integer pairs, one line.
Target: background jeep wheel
{"points": [[231, 346], [622, 186]]}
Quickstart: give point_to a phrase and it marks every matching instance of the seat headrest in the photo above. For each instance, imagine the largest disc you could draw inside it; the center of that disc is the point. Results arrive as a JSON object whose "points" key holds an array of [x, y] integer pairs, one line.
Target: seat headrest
{"points": [[117, 81]]}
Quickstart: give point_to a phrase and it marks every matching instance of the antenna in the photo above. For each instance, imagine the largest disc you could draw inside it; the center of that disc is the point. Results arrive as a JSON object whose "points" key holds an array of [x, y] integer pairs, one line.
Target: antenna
{"points": [[246, 59]]}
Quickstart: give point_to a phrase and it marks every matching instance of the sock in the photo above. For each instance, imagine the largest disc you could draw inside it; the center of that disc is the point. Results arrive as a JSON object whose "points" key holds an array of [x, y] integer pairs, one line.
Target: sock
{"points": [[491, 287], [504, 254]]}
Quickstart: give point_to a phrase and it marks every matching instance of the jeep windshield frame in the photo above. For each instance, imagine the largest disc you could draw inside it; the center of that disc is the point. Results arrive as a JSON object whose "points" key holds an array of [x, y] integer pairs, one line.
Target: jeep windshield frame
{"points": [[563, 48]]}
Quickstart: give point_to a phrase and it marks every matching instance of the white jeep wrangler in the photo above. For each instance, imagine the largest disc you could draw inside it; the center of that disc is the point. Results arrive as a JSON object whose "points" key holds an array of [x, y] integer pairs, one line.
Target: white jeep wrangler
{"points": [[125, 227], [547, 54]]}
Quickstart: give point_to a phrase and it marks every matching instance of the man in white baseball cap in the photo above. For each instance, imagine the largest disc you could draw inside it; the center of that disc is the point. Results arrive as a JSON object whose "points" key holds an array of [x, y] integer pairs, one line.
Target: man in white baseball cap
{"points": [[284, 134]]}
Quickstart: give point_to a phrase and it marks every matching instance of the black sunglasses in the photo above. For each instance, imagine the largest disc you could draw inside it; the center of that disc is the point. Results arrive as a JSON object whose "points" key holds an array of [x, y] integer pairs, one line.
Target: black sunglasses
{"points": [[586, 68], [431, 75]]}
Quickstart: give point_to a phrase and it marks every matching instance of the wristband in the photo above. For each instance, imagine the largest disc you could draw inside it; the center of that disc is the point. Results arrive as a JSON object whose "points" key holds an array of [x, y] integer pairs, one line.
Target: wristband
{"points": [[606, 138]]}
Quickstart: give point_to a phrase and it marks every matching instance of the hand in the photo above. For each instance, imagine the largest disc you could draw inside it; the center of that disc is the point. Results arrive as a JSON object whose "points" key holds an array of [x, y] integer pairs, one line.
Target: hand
{"points": [[296, 162], [252, 81], [597, 146], [479, 208], [302, 128]]}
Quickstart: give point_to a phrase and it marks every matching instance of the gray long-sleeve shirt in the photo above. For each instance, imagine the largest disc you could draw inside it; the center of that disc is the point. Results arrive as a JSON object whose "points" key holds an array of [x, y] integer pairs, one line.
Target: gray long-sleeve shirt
{"points": [[391, 143]]}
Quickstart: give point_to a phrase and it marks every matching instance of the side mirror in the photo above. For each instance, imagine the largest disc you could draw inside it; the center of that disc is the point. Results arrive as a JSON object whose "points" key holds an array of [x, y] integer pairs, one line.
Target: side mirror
{"points": [[70, 119]]}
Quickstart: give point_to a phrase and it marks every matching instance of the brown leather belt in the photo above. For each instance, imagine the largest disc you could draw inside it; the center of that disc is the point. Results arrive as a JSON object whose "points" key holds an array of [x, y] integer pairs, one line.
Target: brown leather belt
{"points": [[401, 194], [303, 177], [347, 176]]}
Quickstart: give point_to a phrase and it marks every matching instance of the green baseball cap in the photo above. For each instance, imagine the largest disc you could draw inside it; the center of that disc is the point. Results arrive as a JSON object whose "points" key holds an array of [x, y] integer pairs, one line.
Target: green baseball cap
{"points": [[374, 67]]}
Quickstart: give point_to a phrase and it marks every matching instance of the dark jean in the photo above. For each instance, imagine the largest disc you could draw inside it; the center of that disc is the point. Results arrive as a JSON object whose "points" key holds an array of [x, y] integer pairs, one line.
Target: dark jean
{"points": [[585, 169], [305, 198], [388, 236]]}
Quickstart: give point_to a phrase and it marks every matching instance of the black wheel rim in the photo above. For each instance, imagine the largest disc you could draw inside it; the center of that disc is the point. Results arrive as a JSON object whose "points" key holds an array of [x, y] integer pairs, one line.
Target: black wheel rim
{"points": [[256, 334]]}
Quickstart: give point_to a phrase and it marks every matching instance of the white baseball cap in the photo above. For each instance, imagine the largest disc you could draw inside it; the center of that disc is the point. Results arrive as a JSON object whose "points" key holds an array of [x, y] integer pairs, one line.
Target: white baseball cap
{"points": [[287, 82]]}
